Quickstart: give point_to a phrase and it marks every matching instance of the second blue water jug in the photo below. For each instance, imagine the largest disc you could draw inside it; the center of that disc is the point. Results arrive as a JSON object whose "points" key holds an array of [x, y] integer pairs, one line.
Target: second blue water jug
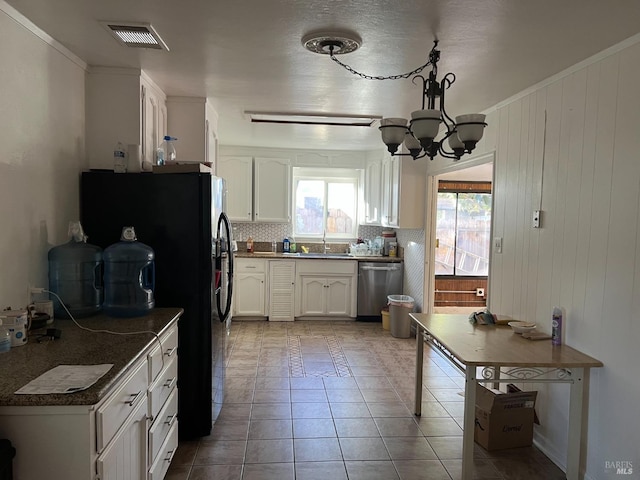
{"points": [[129, 277]]}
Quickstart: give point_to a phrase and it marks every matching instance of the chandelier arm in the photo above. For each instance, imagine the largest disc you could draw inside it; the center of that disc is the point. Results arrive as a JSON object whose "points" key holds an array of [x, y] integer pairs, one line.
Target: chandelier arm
{"points": [[443, 153], [447, 120], [446, 153]]}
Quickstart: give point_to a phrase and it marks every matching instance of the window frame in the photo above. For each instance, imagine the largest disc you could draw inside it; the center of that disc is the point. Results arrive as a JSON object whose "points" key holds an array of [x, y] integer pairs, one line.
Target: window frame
{"points": [[457, 188], [327, 175]]}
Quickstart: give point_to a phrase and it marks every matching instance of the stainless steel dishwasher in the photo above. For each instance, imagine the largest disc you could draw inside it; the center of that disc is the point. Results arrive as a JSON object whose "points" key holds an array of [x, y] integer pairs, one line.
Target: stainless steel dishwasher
{"points": [[376, 280]]}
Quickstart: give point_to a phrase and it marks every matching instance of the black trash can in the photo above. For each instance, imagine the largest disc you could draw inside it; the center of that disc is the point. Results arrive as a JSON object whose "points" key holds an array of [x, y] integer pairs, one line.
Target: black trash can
{"points": [[7, 452]]}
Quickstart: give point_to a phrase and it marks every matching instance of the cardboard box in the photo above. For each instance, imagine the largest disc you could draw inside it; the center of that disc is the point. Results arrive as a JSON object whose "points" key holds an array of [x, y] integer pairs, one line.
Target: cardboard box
{"points": [[504, 420]]}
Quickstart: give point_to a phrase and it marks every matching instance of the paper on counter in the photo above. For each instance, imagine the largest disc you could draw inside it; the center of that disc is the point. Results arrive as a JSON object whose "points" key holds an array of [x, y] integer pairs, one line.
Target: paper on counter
{"points": [[65, 379]]}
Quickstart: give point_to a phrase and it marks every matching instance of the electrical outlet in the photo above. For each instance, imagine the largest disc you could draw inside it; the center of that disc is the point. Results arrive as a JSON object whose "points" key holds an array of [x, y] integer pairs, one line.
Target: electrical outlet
{"points": [[479, 292]]}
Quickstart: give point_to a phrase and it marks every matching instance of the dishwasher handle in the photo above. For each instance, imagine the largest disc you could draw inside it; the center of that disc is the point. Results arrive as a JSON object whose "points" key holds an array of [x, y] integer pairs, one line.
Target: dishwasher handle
{"points": [[385, 269]]}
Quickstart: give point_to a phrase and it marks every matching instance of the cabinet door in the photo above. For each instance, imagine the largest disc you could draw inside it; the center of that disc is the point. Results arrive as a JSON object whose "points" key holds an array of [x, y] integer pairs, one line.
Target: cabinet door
{"points": [[390, 191], [338, 296], [126, 456], [313, 295], [249, 294], [237, 171], [372, 193], [272, 190], [282, 274], [149, 126]]}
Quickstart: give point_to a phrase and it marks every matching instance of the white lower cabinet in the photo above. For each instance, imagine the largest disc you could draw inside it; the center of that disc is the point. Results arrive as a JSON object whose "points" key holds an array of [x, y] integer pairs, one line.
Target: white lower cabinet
{"points": [[126, 457], [250, 282], [295, 288], [326, 288], [130, 434], [282, 277]]}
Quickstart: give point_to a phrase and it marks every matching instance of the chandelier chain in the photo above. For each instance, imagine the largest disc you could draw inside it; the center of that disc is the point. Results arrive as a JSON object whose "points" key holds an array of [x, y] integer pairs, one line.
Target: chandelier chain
{"points": [[378, 77]]}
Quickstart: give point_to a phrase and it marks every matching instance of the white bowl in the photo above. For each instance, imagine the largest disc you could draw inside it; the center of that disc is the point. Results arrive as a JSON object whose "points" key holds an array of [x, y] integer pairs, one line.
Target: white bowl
{"points": [[522, 327]]}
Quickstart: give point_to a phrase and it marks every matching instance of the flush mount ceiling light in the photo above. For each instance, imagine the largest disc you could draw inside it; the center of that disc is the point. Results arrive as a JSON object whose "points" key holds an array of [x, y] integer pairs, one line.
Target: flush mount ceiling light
{"points": [[136, 35], [419, 138], [313, 119]]}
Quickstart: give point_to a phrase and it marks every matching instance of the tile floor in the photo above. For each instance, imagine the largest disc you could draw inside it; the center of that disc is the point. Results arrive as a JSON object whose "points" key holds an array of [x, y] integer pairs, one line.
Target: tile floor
{"points": [[332, 400]]}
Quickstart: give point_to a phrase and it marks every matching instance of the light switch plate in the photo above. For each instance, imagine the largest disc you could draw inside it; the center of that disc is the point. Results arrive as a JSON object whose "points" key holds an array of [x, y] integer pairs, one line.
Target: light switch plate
{"points": [[497, 244], [536, 218]]}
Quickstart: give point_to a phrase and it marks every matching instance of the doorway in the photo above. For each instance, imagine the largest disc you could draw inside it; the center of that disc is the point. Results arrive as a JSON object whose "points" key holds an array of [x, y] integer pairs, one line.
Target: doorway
{"points": [[460, 237]]}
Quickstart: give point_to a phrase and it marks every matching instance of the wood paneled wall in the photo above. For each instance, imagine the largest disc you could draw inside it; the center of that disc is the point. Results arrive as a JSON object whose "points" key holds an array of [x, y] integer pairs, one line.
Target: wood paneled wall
{"points": [[571, 148]]}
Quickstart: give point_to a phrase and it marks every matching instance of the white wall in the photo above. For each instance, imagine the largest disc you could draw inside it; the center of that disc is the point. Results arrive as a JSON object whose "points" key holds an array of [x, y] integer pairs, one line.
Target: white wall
{"points": [[586, 257], [42, 115]]}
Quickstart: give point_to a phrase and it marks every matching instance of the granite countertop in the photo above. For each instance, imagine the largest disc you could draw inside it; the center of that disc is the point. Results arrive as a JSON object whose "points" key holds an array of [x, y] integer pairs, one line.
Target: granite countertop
{"points": [[316, 256], [78, 347]]}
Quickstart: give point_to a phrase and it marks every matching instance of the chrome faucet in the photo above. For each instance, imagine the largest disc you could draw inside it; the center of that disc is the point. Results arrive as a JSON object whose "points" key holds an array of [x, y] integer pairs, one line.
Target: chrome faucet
{"points": [[325, 249]]}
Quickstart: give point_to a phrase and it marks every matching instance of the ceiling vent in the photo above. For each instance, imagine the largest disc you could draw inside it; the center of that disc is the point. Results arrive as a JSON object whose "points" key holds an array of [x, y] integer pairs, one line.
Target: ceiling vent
{"points": [[136, 35], [313, 119]]}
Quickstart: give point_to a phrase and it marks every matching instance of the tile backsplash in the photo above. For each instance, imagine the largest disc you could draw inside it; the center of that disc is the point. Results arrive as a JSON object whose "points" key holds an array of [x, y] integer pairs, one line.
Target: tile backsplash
{"points": [[411, 241], [267, 232]]}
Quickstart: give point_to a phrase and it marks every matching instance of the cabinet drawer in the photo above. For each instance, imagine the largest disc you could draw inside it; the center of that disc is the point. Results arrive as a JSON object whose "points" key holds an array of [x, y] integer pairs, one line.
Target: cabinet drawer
{"points": [[119, 405], [159, 357], [162, 424], [159, 468], [251, 265], [162, 388]]}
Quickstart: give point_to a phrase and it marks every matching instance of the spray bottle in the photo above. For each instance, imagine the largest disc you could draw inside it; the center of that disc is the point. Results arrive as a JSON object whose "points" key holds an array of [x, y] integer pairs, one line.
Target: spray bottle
{"points": [[556, 326]]}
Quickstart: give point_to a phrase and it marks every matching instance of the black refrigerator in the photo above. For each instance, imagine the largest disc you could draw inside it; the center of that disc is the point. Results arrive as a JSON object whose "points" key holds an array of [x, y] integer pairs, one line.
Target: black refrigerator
{"points": [[181, 216]]}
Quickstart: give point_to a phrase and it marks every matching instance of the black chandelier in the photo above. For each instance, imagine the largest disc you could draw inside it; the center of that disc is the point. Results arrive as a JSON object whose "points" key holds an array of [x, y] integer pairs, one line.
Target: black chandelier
{"points": [[419, 136]]}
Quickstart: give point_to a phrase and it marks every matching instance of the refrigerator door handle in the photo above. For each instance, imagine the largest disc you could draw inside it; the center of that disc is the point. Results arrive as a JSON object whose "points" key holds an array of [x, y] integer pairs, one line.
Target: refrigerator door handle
{"points": [[223, 223]]}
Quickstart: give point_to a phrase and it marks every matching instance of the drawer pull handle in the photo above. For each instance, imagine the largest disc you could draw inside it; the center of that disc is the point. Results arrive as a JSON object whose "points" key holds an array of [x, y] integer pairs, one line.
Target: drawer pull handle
{"points": [[170, 351], [169, 456], [134, 400], [170, 382], [171, 419]]}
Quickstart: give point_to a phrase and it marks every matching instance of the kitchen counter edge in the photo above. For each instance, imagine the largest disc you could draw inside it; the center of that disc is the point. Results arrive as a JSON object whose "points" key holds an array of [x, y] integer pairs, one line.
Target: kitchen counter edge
{"points": [[283, 256]]}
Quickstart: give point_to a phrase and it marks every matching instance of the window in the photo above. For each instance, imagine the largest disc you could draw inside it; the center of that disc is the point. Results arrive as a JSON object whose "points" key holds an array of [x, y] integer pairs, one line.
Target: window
{"points": [[463, 226], [325, 203]]}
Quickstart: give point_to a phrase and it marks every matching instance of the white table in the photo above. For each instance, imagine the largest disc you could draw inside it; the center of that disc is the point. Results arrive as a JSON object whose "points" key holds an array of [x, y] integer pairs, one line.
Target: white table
{"points": [[498, 351]]}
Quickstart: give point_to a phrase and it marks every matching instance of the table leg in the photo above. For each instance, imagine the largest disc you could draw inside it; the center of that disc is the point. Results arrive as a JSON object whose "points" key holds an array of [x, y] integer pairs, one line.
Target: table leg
{"points": [[419, 359], [469, 421], [496, 376], [576, 417]]}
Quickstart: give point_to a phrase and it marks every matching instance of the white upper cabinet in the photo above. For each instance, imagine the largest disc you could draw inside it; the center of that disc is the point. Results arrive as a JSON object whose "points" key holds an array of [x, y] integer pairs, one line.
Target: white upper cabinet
{"points": [[238, 174], [272, 190], [193, 121], [403, 192], [373, 192], [123, 105], [257, 189]]}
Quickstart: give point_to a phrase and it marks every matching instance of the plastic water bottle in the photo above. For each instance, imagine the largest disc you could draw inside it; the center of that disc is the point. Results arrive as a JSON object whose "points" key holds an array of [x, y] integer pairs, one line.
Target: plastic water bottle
{"points": [[129, 277], [556, 326], [166, 152], [75, 275], [119, 159]]}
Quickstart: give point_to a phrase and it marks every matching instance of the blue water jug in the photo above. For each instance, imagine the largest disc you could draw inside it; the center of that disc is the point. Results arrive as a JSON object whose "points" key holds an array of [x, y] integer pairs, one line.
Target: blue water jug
{"points": [[129, 277], [75, 275]]}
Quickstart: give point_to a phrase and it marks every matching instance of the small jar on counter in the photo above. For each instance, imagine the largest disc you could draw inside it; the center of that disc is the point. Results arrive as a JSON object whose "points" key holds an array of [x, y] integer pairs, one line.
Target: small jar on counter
{"points": [[393, 249]]}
